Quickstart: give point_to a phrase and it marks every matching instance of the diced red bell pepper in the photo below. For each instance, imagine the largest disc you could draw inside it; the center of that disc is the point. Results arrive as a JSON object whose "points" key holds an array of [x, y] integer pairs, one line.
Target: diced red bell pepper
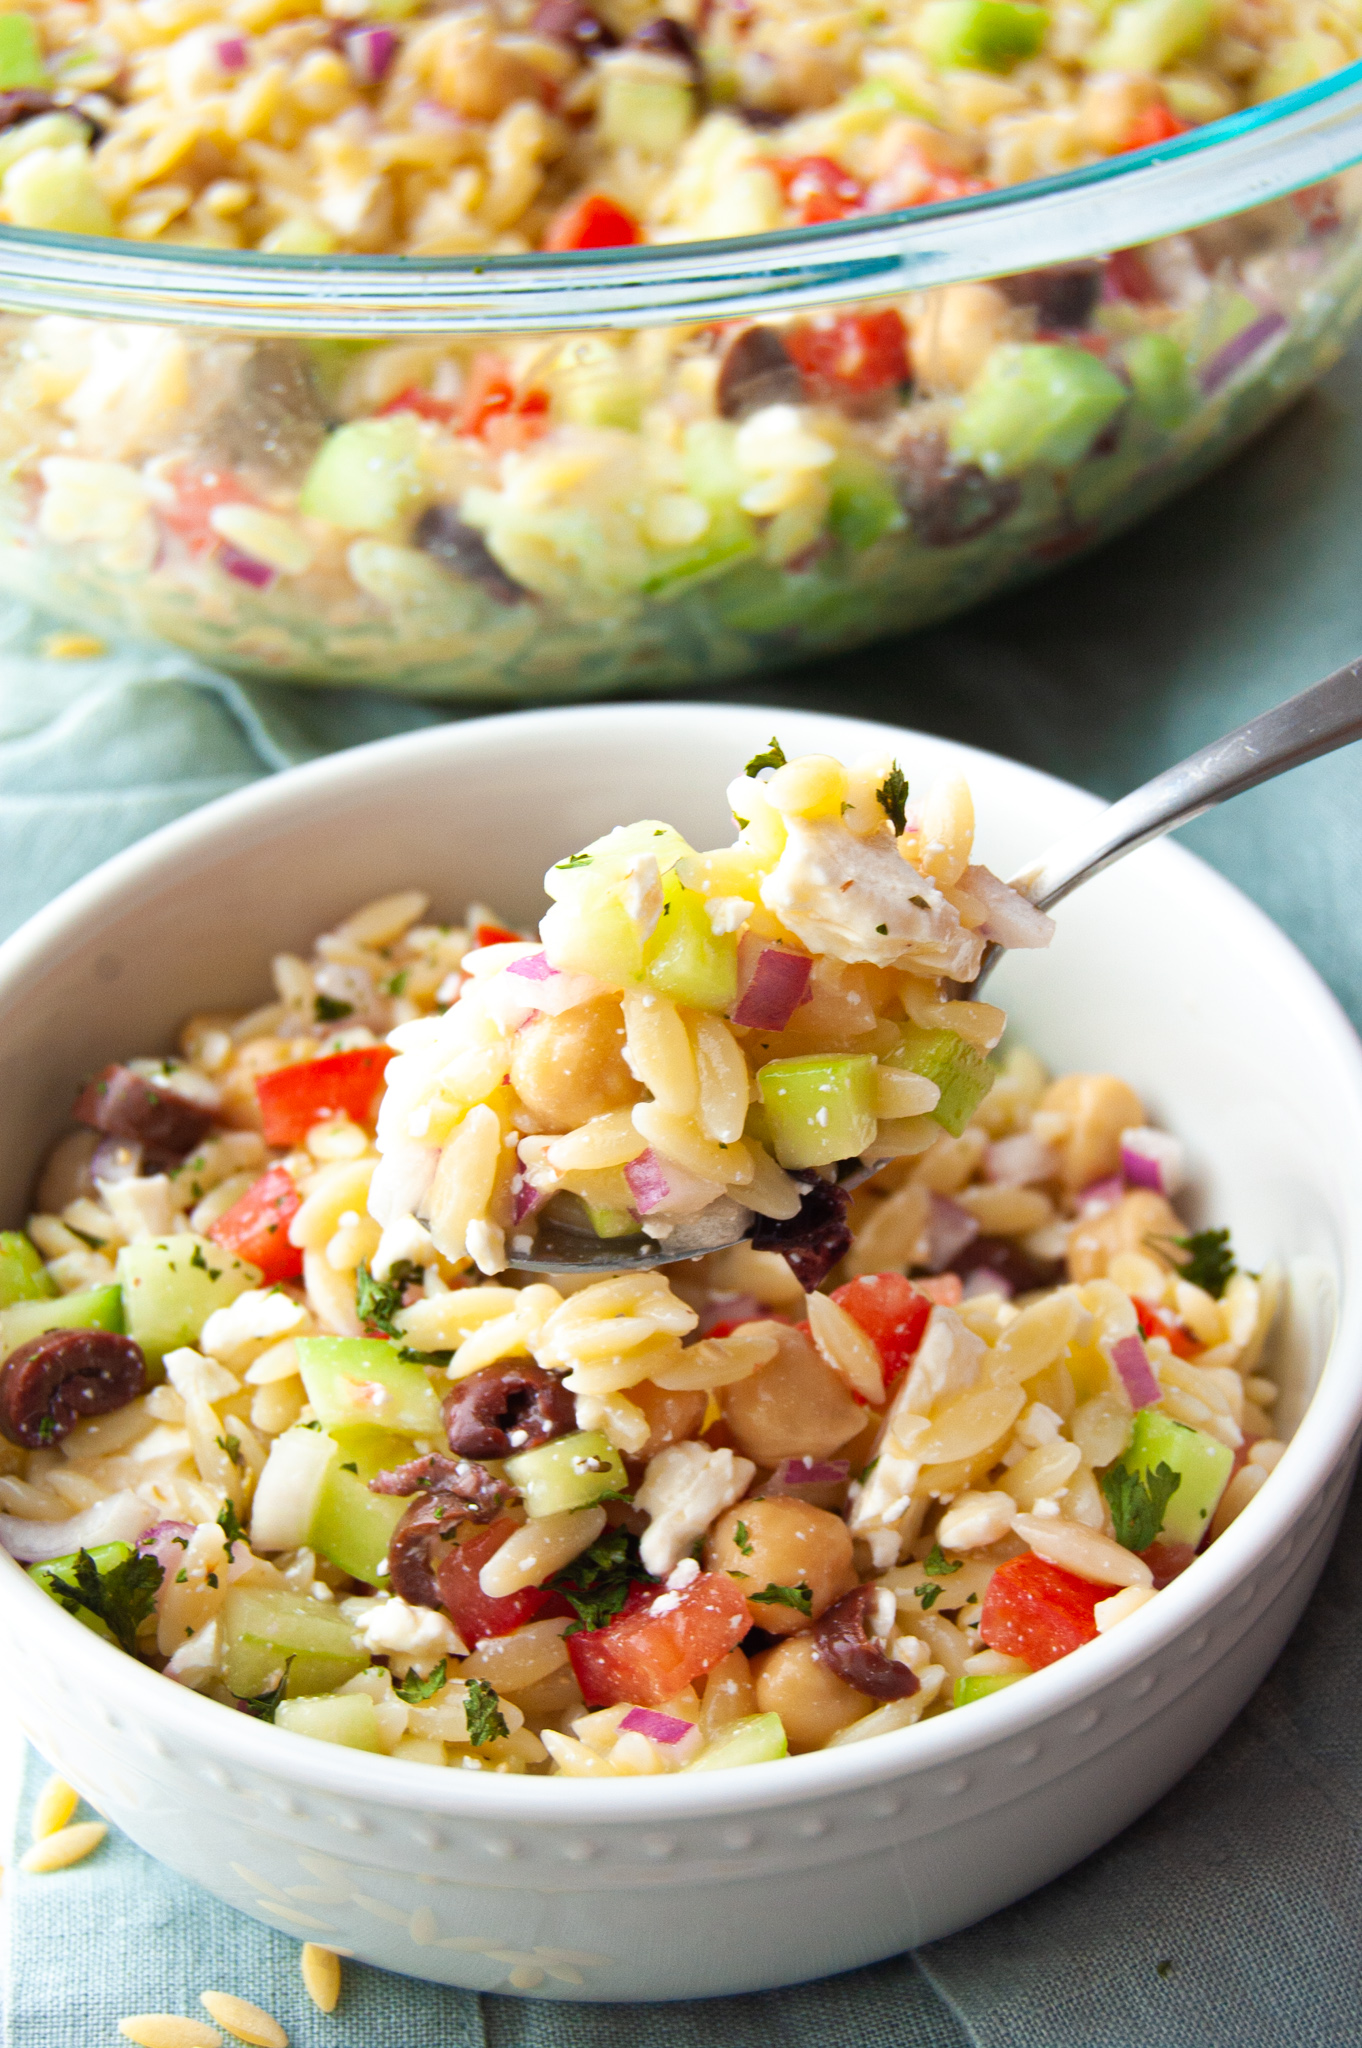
{"points": [[854, 355], [1153, 1323], [818, 188], [646, 1657], [1156, 124], [256, 1226], [292, 1099], [496, 935], [1318, 207], [943, 1290], [475, 1614], [893, 1314], [592, 222], [495, 412], [197, 495], [1034, 1610], [423, 403], [1127, 276]]}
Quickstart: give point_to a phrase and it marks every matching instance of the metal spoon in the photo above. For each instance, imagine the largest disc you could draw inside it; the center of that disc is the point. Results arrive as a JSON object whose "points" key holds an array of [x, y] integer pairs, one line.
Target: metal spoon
{"points": [[1319, 720]]}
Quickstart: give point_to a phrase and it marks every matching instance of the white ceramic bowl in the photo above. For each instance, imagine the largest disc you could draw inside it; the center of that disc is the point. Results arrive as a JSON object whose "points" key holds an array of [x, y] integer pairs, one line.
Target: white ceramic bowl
{"points": [[764, 1876]]}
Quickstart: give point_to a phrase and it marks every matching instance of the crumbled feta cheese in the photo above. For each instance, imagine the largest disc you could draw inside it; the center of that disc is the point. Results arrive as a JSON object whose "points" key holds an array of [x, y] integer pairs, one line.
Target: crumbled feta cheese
{"points": [[684, 1488], [142, 1207], [1039, 1425], [191, 1374], [727, 914], [196, 1660], [976, 1519], [643, 894], [685, 1574], [403, 1243], [259, 1316], [487, 1245], [859, 900], [1047, 1507], [389, 1626], [947, 1364]]}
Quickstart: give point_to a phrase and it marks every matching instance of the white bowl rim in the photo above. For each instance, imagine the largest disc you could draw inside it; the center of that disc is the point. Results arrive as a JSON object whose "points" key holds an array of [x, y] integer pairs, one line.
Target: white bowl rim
{"points": [[1320, 1443]]}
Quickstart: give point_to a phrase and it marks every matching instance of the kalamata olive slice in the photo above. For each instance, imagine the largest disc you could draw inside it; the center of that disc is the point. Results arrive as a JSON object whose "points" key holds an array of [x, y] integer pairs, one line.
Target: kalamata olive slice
{"points": [[507, 1408], [757, 370], [950, 502], [1064, 296], [813, 1241], [451, 1491], [846, 1646], [573, 24], [64, 1377], [462, 550], [126, 1105], [1001, 1255], [411, 1561], [478, 1496]]}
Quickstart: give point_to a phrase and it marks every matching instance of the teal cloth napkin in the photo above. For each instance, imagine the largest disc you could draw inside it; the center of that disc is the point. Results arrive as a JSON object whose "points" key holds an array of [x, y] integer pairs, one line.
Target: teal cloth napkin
{"points": [[1228, 1917]]}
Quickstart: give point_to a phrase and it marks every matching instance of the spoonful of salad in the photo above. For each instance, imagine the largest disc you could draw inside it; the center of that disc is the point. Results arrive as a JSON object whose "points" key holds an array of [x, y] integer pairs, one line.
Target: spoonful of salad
{"points": [[707, 1047]]}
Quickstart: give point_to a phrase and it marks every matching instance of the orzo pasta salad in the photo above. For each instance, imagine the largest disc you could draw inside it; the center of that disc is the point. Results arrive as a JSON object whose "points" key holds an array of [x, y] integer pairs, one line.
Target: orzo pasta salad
{"points": [[283, 1418]]}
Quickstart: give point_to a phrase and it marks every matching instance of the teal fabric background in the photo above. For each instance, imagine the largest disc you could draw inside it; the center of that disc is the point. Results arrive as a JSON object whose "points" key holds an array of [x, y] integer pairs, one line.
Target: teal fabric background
{"points": [[1229, 1916]]}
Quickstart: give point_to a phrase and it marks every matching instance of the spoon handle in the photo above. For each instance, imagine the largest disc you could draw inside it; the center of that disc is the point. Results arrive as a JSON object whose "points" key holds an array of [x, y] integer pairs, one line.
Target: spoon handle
{"points": [[1326, 716]]}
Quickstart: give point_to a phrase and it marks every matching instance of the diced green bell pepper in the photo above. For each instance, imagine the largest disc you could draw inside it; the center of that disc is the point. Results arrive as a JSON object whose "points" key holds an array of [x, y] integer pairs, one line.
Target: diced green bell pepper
{"points": [[94, 1308], [171, 1285], [980, 35], [1160, 379], [960, 1071], [362, 1382], [755, 1739], [366, 476], [261, 1629], [820, 1106], [350, 1719], [573, 1472], [21, 55], [973, 1686], [23, 1276], [350, 1526], [1036, 403], [1202, 1463]]}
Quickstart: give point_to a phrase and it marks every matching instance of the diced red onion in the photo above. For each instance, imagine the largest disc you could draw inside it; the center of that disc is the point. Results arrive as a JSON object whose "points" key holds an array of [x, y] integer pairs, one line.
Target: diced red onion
{"points": [[524, 1199], [984, 1280], [245, 568], [949, 1229], [533, 967], [1101, 1194], [666, 1728], [772, 983], [166, 1542], [1152, 1159], [231, 53], [119, 1519], [370, 51], [792, 1473], [1010, 920], [1131, 1360], [1017, 1162], [1239, 348], [115, 1159], [648, 1183], [657, 1183]]}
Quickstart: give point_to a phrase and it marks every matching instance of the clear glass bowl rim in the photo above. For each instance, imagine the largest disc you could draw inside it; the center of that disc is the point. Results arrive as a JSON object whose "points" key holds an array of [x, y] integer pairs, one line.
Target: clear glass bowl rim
{"points": [[1206, 174]]}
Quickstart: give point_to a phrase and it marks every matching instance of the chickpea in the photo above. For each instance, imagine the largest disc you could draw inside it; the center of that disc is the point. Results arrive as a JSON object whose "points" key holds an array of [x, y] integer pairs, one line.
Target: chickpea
{"points": [[729, 1694], [477, 75], [1127, 1226], [960, 327], [793, 1406], [672, 1417], [568, 1069], [1099, 1108], [786, 1543], [812, 1702]]}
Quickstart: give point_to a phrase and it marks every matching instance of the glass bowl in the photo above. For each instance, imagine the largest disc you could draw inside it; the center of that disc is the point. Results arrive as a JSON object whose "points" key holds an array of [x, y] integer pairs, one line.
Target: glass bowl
{"points": [[532, 475]]}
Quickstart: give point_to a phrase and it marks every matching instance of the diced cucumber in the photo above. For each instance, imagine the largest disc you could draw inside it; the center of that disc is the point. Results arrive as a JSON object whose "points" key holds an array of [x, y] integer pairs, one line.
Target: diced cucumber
{"points": [[21, 54], [646, 106], [23, 1276], [171, 1285], [980, 35], [362, 1382], [574, 1472], [1149, 35], [262, 1629], [1161, 380], [821, 1106], [686, 959], [46, 131], [106, 1556], [1202, 1463], [350, 1526], [962, 1073], [611, 1222], [589, 928], [976, 1686], [366, 477], [729, 536], [351, 1719], [864, 505], [290, 1487], [710, 462], [94, 1308], [756, 1739], [56, 189], [1035, 403]]}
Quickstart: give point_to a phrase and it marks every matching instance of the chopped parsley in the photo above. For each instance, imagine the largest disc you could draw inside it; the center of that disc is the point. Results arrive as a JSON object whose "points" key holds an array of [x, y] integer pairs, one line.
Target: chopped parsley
{"points": [[883, 930], [230, 1446], [378, 1301], [121, 1597], [1137, 1501], [265, 1705], [742, 1539], [800, 1597], [94, 1244], [928, 1595], [350, 1466], [330, 1009], [482, 1711], [228, 1523], [396, 982], [774, 757], [182, 1577], [892, 797], [47, 1430], [575, 860], [1209, 1261], [937, 1565], [596, 1584], [196, 1258], [413, 1689]]}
